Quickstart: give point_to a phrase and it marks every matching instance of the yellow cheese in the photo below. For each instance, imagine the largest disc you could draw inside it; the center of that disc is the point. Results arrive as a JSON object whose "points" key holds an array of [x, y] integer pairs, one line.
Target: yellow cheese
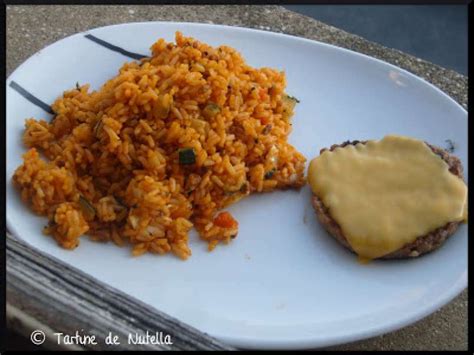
{"points": [[384, 194]]}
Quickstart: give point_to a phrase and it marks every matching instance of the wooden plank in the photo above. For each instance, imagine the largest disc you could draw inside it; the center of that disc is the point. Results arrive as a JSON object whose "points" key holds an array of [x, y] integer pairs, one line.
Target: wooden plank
{"points": [[46, 294]]}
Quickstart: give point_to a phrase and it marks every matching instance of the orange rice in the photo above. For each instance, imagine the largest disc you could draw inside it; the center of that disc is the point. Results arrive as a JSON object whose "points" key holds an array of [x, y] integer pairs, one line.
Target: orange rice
{"points": [[111, 164]]}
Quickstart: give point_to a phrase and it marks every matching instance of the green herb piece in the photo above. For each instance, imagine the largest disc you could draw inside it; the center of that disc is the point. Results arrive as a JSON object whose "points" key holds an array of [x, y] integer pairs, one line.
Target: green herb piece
{"points": [[245, 188], [293, 98], [267, 129], [289, 103], [200, 126], [163, 111], [211, 110], [97, 128], [269, 174], [86, 207], [186, 156]]}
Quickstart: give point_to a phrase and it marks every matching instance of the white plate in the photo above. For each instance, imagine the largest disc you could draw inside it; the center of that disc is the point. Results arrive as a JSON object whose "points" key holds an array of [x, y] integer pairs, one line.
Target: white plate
{"points": [[283, 283]]}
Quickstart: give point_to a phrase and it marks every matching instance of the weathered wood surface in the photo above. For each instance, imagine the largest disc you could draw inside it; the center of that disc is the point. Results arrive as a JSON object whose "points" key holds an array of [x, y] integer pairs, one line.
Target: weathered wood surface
{"points": [[46, 294]]}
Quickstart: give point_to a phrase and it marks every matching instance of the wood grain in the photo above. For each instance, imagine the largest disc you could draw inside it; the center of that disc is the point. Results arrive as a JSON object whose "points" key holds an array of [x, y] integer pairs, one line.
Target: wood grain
{"points": [[47, 294]]}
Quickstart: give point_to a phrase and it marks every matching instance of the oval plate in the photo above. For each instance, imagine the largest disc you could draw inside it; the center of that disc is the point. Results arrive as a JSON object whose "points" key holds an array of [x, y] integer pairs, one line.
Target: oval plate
{"points": [[283, 283]]}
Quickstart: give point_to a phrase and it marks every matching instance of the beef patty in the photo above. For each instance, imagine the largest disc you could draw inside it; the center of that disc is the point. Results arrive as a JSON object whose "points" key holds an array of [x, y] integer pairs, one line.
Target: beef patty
{"points": [[423, 244]]}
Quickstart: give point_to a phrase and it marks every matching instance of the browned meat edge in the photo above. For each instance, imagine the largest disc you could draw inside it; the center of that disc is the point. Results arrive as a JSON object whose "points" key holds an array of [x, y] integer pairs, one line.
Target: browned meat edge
{"points": [[423, 244]]}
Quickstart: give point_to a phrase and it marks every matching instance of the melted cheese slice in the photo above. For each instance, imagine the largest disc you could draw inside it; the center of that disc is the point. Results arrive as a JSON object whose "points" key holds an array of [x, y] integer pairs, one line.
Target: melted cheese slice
{"points": [[384, 194]]}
